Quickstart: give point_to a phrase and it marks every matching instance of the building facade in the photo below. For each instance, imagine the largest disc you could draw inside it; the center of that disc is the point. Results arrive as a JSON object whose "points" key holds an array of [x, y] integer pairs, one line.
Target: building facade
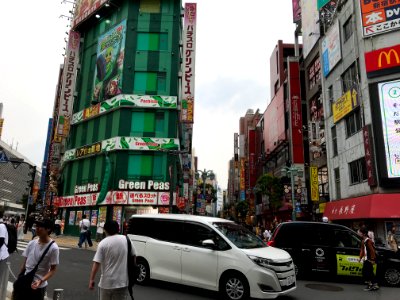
{"points": [[125, 146]]}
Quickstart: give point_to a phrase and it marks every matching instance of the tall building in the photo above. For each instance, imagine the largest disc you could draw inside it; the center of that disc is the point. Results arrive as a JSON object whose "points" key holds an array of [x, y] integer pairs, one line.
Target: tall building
{"points": [[124, 110], [359, 48]]}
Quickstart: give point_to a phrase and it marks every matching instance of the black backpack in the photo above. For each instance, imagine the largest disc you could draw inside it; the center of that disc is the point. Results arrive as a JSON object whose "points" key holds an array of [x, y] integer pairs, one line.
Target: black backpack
{"points": [[12, 238]]}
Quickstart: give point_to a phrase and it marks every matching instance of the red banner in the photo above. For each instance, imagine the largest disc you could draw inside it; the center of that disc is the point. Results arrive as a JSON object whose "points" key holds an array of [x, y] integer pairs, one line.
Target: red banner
{"points": [[382, 59]]}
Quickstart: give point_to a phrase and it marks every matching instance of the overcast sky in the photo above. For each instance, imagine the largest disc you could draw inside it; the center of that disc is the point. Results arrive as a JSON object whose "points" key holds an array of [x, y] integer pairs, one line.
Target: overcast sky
{"points": [[235, 39]]}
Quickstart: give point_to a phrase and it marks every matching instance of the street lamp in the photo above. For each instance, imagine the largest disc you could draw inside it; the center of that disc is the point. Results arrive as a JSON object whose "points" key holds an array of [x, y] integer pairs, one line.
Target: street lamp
{"points": [[292, 171], [204, 175]]}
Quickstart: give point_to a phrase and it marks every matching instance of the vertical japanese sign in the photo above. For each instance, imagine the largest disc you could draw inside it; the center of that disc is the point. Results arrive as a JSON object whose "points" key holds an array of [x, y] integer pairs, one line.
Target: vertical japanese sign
{"points": [[314, 183], [296, 121], [369, 155], [389, 99], [379, 16], [189, 54], [109, 63], [310, 25], [242, 181], [68, 84]]}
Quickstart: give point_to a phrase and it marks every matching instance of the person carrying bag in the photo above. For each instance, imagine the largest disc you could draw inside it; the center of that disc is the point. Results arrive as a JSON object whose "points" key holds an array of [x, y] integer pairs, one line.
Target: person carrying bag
{"points": [[41, 260]]}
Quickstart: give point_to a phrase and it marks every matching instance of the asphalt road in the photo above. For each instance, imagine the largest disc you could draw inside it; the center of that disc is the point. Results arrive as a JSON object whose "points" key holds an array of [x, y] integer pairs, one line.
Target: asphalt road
{"points": [[75, 265]]}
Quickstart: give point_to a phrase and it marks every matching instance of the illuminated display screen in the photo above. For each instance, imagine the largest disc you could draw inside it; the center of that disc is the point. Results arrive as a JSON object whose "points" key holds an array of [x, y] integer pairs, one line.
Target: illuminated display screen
{"points": [[389, 98]]}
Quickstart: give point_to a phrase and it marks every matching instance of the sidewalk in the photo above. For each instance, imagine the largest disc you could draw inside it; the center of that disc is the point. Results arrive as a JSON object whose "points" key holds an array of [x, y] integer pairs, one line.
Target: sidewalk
{"points": [[62, 241]]}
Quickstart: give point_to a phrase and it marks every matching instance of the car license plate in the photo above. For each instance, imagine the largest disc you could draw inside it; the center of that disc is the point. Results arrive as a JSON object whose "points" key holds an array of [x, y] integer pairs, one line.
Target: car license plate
{"points": [[289, 280]]}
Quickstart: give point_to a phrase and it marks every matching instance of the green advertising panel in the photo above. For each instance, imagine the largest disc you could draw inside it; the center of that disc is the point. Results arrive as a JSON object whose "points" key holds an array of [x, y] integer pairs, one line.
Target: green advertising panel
{"points": [[349, 265]]}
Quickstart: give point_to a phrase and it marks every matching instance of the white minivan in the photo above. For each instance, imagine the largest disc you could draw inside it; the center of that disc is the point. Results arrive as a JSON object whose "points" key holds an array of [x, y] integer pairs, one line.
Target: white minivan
{"points": [[209, 253]]}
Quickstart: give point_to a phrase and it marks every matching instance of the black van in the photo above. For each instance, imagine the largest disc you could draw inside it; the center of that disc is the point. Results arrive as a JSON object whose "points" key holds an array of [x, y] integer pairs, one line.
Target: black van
{"points": [[332, 249]]}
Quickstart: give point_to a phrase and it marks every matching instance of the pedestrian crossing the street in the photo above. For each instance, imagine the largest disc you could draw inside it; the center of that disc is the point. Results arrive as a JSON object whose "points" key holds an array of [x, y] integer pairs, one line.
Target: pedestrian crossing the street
{"points": [[21, 246]]}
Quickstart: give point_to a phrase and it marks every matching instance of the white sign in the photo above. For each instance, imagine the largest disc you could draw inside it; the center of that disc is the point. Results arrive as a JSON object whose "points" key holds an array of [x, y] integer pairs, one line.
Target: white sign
{"points": [[310, 25], [146, 198], [331, 51], [389, 98]]}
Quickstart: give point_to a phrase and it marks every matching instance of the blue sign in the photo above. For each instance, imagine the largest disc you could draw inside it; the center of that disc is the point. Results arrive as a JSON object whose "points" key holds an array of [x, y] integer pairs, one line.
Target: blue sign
{"points": [[3, 157]]}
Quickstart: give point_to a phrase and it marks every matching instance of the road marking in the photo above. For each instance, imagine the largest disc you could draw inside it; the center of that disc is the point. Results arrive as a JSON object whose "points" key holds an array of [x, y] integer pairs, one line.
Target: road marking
{"points": [[21, 245]]}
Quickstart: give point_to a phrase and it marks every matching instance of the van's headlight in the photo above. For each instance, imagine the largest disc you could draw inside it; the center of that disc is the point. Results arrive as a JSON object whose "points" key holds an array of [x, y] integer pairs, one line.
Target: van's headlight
{"points": [[262, 262]]}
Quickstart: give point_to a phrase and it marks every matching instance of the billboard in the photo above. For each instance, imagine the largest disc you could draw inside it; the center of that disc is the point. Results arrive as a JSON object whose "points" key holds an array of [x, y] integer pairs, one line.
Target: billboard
{"points": [[109, 63], [274, 124], [331, 52], [296, 11], [296, 120], [344, 105], [84, 9], [379, 17], [310, 25], [314, 185], [389, 98], [65, 106], [189, 54], [383, 61]]}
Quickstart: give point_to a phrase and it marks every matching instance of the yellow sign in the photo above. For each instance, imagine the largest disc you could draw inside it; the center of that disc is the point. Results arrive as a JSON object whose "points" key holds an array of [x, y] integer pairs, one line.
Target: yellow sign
{"points": [[349, 265], [344, 105], [88, 150], [314, 183], [387, 56]]}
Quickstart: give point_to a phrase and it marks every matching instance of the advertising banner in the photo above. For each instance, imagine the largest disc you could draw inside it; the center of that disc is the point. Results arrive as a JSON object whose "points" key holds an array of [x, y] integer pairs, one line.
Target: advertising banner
{"points": [[296, 11], [242, 173], [314, 183], [122, 143], [117, 214], [120, 197], [331, 51], [383, 61], [369, 155], [123, 100], [349, 265], [344, 105], [71, 220], [84, 9], [379, 16], [389, 99], [109, 63], [143, 198], [65, 106], [296, 120], [189, 54], [310, 25]]}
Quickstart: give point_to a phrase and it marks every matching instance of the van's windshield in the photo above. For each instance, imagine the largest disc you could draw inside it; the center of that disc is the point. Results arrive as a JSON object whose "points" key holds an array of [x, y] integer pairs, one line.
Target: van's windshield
{"points": [[240, 236]]}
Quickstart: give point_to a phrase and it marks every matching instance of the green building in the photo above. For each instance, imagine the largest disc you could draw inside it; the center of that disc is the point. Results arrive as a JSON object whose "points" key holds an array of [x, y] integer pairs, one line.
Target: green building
{"points": [[126, 148]]}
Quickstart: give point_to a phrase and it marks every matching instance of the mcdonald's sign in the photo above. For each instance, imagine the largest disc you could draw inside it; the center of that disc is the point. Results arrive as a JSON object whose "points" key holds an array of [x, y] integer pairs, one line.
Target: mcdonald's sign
{"points": [[383, 61]]}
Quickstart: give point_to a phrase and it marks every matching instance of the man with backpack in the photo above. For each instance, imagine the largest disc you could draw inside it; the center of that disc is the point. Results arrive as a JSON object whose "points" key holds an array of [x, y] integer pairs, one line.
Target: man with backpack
{"points": [[3, 256]]}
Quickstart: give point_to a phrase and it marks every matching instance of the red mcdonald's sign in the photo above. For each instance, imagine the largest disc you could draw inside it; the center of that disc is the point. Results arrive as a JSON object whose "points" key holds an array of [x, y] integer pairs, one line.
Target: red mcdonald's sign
{"points": [[385, 60]]}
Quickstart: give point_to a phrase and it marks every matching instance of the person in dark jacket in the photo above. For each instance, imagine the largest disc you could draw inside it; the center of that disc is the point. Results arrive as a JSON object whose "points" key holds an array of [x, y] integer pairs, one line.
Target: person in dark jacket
{"points": [[368, 257]]}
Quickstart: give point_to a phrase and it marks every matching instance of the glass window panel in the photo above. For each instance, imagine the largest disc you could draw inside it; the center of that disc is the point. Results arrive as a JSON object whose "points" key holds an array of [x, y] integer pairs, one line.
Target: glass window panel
{"points": [[149, 123], [163, 41], [137, 125], [143, 41], [151, 84]]}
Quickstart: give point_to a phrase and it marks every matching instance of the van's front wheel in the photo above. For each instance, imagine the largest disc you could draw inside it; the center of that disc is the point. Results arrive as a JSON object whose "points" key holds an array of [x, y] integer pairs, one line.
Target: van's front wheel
{"points": [[234, 286], [143, 271]]}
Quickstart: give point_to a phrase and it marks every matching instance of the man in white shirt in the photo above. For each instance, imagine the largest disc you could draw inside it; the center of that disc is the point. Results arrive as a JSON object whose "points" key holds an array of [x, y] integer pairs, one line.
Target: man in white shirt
{"points": [[84, 226], [46, 268], [100, 230], [3, 256], [111, 256]]}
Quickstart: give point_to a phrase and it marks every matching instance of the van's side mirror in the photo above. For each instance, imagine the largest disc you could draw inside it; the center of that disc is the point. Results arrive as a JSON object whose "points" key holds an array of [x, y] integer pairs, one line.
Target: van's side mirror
{"points": [[209, 244]]}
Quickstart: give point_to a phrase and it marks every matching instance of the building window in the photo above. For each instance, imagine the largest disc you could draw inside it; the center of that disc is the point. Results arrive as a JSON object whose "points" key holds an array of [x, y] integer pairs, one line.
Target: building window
{"points": [[353, 123], [347, 29], [349, 78], [152, 41], [334, 141], [358, 171], [148, 124], [150, 83], [150, 6], [337, 183]]}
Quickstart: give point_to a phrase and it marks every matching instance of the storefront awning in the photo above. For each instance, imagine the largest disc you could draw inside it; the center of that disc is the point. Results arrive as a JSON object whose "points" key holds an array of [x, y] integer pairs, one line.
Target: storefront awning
{"points": [[374, 206]]}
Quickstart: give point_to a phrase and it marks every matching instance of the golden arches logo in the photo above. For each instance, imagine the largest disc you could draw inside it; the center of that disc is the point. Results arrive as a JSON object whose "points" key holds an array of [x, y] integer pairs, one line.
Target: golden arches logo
{"points": [[388, 56]]}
